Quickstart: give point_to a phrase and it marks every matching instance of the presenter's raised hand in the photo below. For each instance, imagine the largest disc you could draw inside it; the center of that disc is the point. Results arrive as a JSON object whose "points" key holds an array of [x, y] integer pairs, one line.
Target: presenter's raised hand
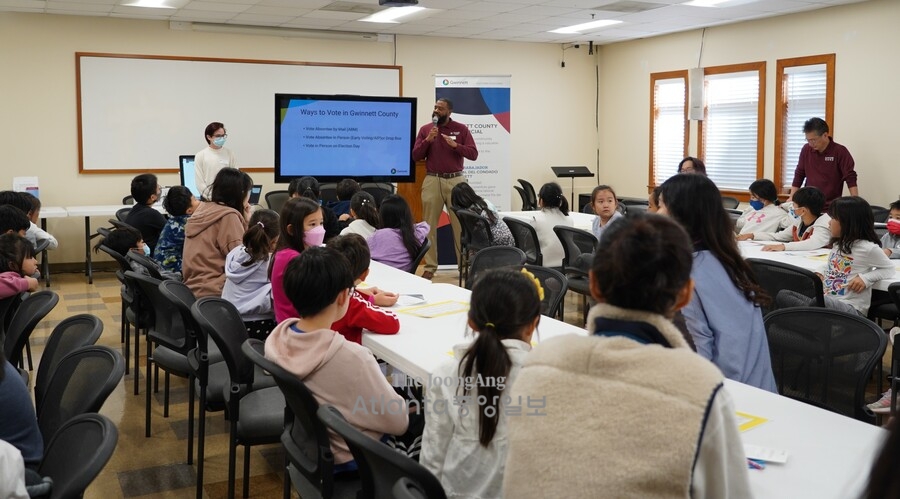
{"points": [[450, 141], [432, 134]]}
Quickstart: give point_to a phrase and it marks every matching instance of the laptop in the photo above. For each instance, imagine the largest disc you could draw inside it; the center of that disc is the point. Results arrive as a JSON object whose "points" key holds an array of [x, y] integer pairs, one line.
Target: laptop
{"points": [[186, 172]]}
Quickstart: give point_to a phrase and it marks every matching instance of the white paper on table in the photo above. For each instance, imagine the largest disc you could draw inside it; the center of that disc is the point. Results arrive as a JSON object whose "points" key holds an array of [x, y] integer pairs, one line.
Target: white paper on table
{"points": [[815, 252], [409, 300], [765, 454]]}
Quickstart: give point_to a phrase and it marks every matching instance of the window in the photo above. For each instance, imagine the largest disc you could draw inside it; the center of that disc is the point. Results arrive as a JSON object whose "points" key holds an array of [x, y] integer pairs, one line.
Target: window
{"points": [[668, 124], [805, 90], [731, 135]]}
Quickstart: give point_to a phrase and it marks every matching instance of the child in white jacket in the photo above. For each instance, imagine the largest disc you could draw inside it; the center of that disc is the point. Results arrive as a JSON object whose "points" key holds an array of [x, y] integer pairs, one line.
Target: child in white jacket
{"points": [[247, 284], [765, 213]]}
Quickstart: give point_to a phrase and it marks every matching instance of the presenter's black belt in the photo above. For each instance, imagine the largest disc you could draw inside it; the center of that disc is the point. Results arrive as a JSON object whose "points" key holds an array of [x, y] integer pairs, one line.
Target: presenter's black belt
{"points": [[445, 175]]}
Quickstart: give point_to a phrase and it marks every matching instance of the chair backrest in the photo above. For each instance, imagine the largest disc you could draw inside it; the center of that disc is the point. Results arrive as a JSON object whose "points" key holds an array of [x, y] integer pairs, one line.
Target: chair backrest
{"points": [[730, 202], [129, 199], [276, 199], [378, 190], [77, 453], [41, 246], [578, 247], [328, 192], [777, 276], [146, 262], [629, 202], [894, 292], [305, 438], [81, 383], [168, 328], [124, 264], [880, 213], [122, 214], [408, 489], [31, 311], [426, 245], [824, 357], [526, 204], [555, 286], [526, 240], [379, 465], [494, 257], [476, 230], [529, 191], [635, 208], [69, 335], [8, 308], [220, 321]]}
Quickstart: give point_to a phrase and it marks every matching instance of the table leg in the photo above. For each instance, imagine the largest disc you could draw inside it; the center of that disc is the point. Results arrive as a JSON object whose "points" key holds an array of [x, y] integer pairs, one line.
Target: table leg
{"points": [[88, 268], [45, 265]]}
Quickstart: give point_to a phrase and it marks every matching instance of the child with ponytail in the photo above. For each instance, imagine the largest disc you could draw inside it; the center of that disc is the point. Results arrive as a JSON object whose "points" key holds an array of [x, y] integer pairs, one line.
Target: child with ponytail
{"points": [[554, 210], [247, 283], [300, 228], [364, 215], [465, 445]]}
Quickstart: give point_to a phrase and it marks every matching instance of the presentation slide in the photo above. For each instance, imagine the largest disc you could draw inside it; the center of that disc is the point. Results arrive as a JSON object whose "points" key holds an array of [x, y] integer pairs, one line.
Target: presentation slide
{"points": [[334, 137]]}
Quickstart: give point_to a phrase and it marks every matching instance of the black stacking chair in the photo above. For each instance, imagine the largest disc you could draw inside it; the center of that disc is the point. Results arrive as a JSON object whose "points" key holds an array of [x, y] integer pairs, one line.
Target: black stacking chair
{"points": [[255, 414], [378, 190], [526, 204], [880, 213], [69, 335], [146, 263], [475, 235], [172, 341], [328, 192], [80, 384], [426, 245], [207, 365], [31, 311], [494, 257], [129, 199], [305, 439], [122, 214], [408, 489], [526, 240], [824, 357], [77, 453], [128, 310], [578, 247], [555, 286], [777, 276], [276, 199], [529, 192], [379, 465], [730, 202]]}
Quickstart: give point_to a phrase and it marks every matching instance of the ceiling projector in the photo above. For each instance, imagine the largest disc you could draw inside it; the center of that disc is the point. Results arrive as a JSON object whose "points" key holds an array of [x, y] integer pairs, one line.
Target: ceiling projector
{"points": [[398, 3]]}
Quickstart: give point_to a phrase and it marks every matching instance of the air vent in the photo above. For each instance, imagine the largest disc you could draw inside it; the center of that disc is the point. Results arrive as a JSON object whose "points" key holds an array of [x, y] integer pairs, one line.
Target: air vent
{"points": [[629, 7]]}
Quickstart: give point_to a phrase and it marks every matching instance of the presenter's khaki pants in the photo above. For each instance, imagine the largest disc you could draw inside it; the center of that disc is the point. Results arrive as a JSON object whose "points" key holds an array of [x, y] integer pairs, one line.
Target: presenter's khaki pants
{"points": [[436, 195]]}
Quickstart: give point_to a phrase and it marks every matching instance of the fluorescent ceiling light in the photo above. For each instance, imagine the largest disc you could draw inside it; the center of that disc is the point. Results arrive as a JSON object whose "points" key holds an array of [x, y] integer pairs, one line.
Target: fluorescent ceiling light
{"points": [[705, 3], [153, 4], [578, 28], [391, 15]]}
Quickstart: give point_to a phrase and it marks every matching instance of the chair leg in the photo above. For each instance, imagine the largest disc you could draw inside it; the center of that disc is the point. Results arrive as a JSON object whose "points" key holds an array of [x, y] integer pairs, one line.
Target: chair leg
{"points": [[126, 331], [232, 456], [191, 395], [137, 359], [201, 440], [286, 493], [165, 395], [147, 409], [246, 490]]}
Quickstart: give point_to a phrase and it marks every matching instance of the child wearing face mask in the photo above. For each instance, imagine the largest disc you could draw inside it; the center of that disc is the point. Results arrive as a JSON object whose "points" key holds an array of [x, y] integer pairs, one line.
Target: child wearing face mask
{"points": [[890, 242], [301, 227], [765, 213], [127, 242]]}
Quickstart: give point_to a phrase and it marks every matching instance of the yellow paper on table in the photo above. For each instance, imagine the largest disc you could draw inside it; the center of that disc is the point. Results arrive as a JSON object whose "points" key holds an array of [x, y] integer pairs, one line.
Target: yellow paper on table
{"points": [[748, 421], [439, 309]]}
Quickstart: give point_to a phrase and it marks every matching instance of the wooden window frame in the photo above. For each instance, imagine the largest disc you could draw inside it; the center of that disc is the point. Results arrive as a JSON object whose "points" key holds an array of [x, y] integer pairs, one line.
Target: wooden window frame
{"points": [[654, 77]]}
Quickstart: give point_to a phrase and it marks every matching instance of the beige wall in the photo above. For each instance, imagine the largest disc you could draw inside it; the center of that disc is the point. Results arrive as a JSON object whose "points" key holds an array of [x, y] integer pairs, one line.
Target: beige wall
{"points": [[552, 118], [864, 37]]}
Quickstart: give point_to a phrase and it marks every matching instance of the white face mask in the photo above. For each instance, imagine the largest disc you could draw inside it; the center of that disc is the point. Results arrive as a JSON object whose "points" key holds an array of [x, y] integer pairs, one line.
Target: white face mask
{"points": [[146, 250]]}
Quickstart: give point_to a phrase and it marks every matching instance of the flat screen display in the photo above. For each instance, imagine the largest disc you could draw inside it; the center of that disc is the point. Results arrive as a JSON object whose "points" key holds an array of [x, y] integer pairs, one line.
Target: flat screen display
{"points": [[332, 137]]}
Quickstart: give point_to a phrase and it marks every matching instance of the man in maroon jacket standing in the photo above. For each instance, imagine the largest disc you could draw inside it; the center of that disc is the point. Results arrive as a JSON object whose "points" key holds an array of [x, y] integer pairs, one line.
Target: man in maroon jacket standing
{"points": [[824, 163], [443, 144]]}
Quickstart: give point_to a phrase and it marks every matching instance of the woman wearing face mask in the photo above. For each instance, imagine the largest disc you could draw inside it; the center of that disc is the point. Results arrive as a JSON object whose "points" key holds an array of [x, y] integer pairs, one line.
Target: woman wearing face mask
{"points": [[211, 159], [216, 227], [765, 213]]}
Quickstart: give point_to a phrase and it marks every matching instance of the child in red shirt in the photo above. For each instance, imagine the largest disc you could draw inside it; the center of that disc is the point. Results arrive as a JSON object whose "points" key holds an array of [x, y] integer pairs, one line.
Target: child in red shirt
{"points": [[364, 311]]}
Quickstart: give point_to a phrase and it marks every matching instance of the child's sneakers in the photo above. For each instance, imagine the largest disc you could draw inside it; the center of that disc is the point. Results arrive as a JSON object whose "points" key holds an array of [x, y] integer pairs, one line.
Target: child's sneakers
{"points": [[882, 405]]}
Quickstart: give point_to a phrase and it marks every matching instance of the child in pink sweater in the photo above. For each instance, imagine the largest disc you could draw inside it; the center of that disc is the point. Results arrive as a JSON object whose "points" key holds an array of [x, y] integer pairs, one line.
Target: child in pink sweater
{"points": [[17, 262]]}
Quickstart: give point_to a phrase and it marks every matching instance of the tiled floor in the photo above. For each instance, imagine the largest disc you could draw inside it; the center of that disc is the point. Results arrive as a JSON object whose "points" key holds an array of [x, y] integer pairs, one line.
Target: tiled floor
{"points": [[156, 467]]}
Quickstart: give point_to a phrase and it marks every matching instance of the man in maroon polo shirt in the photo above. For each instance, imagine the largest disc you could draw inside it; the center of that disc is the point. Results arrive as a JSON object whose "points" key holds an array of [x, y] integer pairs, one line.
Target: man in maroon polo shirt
{"points": [[443, 144], [824, 163]]}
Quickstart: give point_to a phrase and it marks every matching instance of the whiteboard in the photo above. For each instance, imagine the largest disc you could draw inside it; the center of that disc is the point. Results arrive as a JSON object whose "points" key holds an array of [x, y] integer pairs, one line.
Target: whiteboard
{"points": [[139, 113]]}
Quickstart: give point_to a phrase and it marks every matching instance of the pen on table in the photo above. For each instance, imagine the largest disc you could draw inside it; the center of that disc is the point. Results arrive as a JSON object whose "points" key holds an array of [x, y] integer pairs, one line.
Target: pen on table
{"points": [[754, 464]]}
